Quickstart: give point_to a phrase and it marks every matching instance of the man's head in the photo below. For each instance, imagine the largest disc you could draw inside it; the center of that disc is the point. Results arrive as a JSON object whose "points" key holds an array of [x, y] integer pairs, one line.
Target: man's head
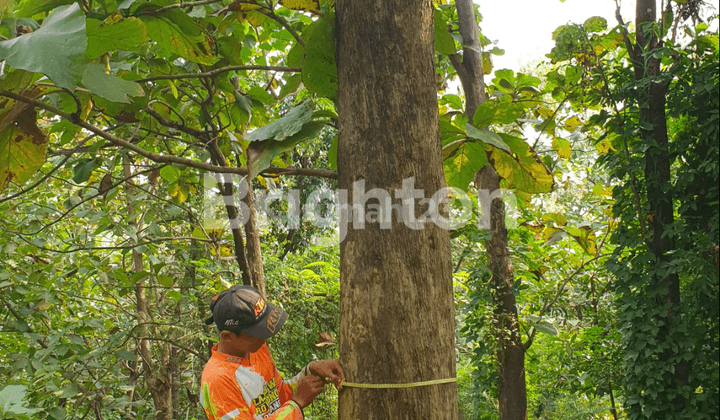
{"points": [[240, 312]]}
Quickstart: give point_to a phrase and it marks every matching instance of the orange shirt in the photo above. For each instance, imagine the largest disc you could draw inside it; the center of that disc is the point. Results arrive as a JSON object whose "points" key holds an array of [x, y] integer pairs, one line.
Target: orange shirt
{"points": [[246, 389]]}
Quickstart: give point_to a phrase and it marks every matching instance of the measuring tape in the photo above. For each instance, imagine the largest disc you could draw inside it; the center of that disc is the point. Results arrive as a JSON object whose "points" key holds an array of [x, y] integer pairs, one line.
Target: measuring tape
{"points": [[408, 385]]}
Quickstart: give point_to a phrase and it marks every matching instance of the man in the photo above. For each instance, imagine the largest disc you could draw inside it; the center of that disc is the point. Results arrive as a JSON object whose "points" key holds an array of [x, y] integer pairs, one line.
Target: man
{"points": [[240, 381]]}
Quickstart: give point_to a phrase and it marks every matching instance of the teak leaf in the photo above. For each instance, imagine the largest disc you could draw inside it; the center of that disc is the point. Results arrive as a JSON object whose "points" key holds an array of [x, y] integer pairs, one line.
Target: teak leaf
{"points": [[56, 50]]}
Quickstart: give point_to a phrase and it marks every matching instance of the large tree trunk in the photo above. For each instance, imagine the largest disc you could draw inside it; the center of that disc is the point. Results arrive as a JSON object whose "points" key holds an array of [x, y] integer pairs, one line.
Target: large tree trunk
{"points": [[510, 352], [396, 299]]}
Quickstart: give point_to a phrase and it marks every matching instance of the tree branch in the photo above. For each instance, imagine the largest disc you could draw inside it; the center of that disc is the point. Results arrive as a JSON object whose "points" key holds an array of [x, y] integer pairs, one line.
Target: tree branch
{"points": [[219, 71], [285, 25], [182, 5], [170, 159]]}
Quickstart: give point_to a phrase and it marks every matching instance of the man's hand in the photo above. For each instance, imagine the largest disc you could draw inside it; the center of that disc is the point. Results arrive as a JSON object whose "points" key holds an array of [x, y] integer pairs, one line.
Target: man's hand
{"points": [[328, 369], [309, 387]]}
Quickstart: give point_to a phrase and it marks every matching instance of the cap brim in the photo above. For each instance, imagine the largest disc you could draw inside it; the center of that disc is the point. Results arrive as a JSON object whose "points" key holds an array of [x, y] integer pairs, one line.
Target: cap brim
{"points": [[210, 320], [269, 325]]}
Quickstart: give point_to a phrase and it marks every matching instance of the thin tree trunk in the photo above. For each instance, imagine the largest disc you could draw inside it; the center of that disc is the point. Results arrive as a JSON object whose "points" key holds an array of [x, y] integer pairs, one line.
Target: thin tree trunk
{"points": [[396, 299], [510, 352], [227, 190], [254, 254], [613, 408], [158, 379]]}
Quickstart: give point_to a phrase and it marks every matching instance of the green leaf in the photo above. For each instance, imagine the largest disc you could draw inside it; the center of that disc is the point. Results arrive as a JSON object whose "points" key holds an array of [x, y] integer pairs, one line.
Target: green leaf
{"points": [[83, 170], [166, 281], [261, 153], [240, 110], [595, 24], [444, 42], [11, 401], [125, 4], [452, 100], [109, 86], [125, 35], [319, 70], [230, 49], [33, 7], [546, 328], [291, 85], [57, 49], [170, 173], [22, 147], [286, 126], [58, 413], [495, 112], [170, 37], [260, 94], [70, 391], [295, 56], [123, 354], [486, 136], [522, 169], [464, 161]]}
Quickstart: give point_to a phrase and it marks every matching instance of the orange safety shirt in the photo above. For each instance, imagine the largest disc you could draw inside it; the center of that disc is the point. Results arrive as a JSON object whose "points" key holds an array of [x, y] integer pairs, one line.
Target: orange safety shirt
{"points": [[247, 388]]}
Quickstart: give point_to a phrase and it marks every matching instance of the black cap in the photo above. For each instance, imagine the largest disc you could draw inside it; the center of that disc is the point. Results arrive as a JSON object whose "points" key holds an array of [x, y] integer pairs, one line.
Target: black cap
{"points": [[241, 309]]}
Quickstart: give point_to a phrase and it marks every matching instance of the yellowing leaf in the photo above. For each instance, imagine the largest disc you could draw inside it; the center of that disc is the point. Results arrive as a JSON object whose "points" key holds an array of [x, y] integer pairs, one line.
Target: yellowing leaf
{"points": [[487, 63], [522, 169], [545, 112], [585, 237], [604, 146], [22, 148], [562, 147], [304, 5], [602, 191], [242, 7], [550, 231], [533, 227], [572, 123], [254, 18], [170, 37], [226, 251], [556, 218]]}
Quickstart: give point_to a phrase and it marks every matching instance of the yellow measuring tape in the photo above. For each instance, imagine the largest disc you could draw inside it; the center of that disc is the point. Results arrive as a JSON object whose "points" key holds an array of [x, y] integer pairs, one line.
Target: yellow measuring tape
{"points": [[408, 385]]}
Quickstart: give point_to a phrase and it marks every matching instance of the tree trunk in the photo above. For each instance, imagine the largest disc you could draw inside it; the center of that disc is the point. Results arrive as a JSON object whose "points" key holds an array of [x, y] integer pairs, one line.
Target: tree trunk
{"points": [[158, 380], [227, 190], [254, 255], [396, 299], [652, 101], [510, 352]]}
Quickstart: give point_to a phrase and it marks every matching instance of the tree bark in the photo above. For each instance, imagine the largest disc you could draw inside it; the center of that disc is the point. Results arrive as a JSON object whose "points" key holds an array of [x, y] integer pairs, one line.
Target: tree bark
{"points": [[396, 299], [510, 351]]}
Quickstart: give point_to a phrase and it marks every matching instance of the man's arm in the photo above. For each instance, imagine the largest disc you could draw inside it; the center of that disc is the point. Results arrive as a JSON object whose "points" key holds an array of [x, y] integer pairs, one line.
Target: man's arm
{"points": [[329, 369]]}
